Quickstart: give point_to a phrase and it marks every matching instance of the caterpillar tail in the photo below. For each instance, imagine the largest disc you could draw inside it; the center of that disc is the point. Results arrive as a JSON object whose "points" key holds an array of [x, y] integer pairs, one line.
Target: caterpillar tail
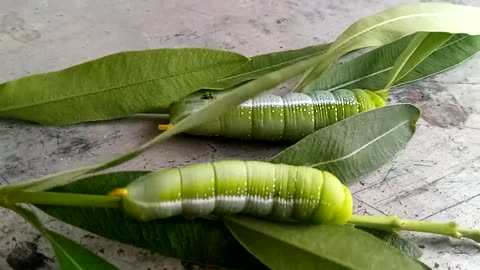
{"points": [[165, 127], [119, 192]]}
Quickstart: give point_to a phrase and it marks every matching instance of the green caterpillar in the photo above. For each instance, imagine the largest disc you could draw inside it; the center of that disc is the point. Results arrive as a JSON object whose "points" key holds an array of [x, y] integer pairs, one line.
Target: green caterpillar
{"points": [[271, 117], [279, 191]]}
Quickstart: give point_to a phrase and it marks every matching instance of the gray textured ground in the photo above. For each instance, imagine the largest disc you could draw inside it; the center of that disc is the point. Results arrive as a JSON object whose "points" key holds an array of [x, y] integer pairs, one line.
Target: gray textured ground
{"points": [[436, 178]]}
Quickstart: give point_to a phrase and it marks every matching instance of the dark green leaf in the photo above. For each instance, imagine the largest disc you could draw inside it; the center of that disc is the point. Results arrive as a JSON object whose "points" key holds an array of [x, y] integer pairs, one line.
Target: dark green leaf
{"points": [[419, 48], [357, 145], [200, 240], [367, 71], [395, 23], [395, 240], [74, 256], [371, 70], [285, 246], [68, 254], [262, 64], [114, 86]]}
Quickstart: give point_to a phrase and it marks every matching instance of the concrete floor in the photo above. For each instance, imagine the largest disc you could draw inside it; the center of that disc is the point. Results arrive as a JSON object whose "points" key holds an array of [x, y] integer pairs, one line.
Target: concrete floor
{"points": [[436, 178]]}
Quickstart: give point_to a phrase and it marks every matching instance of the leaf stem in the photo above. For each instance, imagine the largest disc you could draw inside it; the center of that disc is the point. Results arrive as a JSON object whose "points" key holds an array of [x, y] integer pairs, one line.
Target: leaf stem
{"points": [[63, 199], [393, 223]]}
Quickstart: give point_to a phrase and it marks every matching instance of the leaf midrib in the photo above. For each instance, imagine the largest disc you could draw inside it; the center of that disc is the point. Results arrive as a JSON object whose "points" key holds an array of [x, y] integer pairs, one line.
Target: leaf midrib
{"points": [[99, 91], [65, 253], [361, 78], [362, 147], [427, 14], [269, 67]]}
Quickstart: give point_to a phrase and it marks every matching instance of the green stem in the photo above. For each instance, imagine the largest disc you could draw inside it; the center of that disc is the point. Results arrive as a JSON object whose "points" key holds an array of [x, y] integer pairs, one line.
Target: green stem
{"points": [[393, 223], [64, 199]]}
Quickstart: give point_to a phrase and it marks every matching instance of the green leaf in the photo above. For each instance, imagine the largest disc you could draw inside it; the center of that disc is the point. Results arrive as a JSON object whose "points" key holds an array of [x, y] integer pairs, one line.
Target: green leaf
{"points": [[419, 48], [286, 246], [355, 146], [201, 240], [395, 240], [219, 106], [370, 70], [395, 23], [262, 64], [456, 51], [69, 255], [114, 86]]}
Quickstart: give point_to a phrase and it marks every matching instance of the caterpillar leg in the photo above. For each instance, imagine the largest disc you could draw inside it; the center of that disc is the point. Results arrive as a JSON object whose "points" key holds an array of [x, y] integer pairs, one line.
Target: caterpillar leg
{"points": [[165, 127], [119, 192]]}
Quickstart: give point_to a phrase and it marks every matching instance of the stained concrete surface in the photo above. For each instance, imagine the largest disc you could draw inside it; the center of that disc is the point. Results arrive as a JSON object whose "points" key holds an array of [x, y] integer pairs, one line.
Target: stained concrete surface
{"points": [[436, 177]]}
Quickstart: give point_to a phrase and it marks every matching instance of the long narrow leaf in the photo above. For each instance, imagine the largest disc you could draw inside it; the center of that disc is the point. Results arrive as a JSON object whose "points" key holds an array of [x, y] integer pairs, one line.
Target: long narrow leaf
{"points": [[457, 50], [69, 255], [395, 23], [114, 86], [421, 46], [370, 70], [262, 64]]}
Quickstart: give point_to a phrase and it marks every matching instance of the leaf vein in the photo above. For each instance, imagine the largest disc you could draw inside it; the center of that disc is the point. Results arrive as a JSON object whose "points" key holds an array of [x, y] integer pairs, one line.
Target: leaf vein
{"points": [[387, 22], [361, 78], [57, 98], [60, 248]]}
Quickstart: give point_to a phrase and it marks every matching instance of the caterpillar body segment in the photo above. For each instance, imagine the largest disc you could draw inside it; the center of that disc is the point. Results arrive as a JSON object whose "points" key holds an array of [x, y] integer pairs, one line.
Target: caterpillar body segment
{"points": [[270, 117], [262, 189]]}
